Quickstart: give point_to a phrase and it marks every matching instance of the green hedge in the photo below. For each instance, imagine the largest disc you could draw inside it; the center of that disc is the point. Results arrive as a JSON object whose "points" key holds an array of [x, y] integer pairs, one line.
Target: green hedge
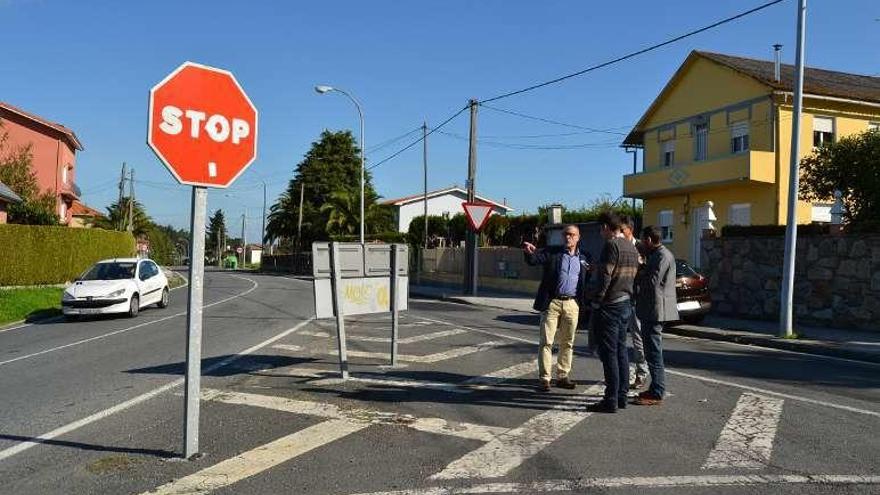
{"points": [[36, 254]]}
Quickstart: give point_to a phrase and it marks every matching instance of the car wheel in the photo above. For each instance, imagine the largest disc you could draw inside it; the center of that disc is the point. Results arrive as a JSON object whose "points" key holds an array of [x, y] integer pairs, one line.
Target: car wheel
{"points": [[694, 320], [166, 297], [134, 306]]}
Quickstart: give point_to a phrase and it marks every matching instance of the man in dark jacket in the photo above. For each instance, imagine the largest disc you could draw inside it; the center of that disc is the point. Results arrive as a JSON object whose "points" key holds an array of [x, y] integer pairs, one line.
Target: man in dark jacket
{"points": [[611, 300], [559, 299], [656, 303]]}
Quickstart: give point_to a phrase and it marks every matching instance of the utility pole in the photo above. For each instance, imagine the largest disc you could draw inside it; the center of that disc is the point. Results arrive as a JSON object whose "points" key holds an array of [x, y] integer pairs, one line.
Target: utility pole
{"points": [[219, 251], [263, 238], [787, 300], [635, 153], [243, 239], [119, 220], [131, 201], [299, 222], [425, 168], [471, 273]]}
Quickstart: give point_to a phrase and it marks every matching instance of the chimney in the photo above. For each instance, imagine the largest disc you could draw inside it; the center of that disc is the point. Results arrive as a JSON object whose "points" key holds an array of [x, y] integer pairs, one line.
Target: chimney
{"points": [[777, 69]]}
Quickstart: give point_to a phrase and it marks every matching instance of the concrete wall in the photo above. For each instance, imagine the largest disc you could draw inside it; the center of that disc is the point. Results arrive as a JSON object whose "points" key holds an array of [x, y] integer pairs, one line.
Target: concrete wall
{"points": [[500, 269], [837, 279]]}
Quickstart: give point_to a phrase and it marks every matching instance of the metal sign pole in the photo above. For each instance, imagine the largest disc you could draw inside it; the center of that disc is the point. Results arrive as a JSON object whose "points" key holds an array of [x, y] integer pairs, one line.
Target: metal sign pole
{"points": [[395, 320], [194, 321], [336, 278]]}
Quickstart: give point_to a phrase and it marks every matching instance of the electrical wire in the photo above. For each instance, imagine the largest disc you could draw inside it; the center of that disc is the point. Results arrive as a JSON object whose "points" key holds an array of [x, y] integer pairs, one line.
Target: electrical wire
{"points": [[520, 146], [635, 53], [419, 140], [391, 141], [549, 121]]}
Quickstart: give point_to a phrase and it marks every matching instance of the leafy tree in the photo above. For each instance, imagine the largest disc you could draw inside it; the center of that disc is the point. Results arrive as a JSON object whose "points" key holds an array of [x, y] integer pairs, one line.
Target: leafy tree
{"points": [[117, 218], [330, 172], [851, 165], [16, 171], [216, 235], [436, 228], [161, 247]]}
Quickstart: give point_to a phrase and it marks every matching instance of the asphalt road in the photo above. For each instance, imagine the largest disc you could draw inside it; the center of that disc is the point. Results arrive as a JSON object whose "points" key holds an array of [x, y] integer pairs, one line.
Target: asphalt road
{"points": [[96, 407]]}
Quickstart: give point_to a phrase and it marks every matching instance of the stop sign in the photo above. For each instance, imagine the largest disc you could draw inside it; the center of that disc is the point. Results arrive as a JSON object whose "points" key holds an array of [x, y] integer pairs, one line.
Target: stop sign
{"points": [[202, 125]]}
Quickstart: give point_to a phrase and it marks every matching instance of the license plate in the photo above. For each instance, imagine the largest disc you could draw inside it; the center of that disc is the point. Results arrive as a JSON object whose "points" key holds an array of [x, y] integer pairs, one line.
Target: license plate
{"points": [[89, 311], [688, 305]]}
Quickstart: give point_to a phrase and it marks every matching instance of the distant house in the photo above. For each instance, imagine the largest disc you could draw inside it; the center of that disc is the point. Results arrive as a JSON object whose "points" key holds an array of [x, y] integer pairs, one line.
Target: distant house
{"points": [[253, 254], [82, 215], [7, 197], [54, 150], [441, 202]]}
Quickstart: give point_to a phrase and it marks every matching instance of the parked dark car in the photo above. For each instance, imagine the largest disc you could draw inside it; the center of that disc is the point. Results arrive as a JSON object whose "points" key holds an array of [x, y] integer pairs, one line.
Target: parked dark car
{"points": [[692, 292]]}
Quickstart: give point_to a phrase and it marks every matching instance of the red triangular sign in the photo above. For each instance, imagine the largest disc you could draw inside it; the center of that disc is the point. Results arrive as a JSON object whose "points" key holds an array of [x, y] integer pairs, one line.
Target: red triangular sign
{"points": [[477, 214]]}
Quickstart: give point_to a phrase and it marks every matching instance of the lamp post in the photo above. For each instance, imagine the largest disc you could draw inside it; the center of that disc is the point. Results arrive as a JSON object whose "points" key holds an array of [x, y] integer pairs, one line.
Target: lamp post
{"points": [[326, 89]]}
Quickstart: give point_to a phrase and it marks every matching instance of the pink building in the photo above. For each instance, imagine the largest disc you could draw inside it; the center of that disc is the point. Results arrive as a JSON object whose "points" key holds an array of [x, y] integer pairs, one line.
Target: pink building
{"points": [[54, 150]]}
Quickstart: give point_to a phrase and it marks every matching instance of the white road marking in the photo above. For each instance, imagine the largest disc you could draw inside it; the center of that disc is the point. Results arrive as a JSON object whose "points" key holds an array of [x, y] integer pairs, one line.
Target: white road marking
{"points": [[746, 441], [513, 447], [387, 381], [646, 482], [261, 458], [502, 375], [408, 340], [330, 411], [287, 347], [140, 325], [425, 359], [27, 444], [777, 394], [706, 379]]}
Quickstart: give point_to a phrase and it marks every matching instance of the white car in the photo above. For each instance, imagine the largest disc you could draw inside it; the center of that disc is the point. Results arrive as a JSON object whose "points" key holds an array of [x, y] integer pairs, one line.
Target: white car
{"points": [[123, 285]]}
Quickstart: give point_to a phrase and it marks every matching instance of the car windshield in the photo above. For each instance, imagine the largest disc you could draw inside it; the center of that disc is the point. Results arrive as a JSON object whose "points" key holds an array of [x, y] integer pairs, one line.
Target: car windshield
{"points": [[110, 271], [682, 269]]}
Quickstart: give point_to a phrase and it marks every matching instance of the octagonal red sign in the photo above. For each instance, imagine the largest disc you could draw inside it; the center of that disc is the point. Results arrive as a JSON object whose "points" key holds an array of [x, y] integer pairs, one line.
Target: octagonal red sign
{"points": [[202, 125]]}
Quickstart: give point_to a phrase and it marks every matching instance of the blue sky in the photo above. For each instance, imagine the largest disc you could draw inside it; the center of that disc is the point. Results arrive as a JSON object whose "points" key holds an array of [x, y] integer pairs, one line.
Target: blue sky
{"points": [[90, 64]]}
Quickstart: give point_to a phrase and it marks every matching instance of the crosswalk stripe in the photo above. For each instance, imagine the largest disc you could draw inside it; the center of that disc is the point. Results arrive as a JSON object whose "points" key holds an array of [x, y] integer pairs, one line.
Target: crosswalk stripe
{"points": [[424, 359], [387, 340], [261, 458], [502, 375], [746, 441], [510, 449], [439, 426]]}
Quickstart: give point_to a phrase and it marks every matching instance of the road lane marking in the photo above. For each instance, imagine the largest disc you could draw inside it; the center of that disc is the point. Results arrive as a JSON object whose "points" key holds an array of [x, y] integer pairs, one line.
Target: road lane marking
{"points": [[777, 394], [408, 340], [746, 441], [515, 446], [135, 327], [388, 381], [27, 444], [410, 358], [646, 482], [502, 375], [330, 411], [701, 378], [264, 457]]}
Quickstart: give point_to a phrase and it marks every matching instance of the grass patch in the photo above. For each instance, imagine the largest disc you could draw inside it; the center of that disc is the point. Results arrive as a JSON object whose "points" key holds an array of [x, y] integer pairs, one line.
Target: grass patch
{"points": [[175, 279], [110, 464], [29, 303]]}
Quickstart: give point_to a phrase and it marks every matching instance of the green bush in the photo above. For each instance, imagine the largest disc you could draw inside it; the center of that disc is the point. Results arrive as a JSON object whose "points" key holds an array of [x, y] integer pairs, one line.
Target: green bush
{"points": [[36, 254]]}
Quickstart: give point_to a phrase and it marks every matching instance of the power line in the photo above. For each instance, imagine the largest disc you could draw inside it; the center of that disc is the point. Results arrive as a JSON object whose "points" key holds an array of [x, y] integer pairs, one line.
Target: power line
{"points": [[549, 121], [391, 141], [420, 139], [635, 53], [520, 146]]}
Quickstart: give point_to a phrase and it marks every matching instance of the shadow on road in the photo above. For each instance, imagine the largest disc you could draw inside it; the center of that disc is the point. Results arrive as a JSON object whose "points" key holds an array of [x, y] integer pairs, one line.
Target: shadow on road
{"points": [[243, 365], [89, 446]]}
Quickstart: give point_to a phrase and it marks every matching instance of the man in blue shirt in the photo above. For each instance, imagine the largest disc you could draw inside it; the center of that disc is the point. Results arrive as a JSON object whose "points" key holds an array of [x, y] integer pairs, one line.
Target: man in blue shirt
{"points": [[559, 299]]}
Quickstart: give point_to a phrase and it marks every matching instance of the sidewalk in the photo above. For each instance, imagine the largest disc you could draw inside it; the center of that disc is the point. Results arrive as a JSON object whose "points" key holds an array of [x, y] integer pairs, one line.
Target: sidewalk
{"points": [[841, 343]]}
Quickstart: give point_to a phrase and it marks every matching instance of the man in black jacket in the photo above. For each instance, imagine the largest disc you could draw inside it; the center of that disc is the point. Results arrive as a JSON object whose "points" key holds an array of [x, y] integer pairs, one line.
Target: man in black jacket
{"points": [[559, 300]]}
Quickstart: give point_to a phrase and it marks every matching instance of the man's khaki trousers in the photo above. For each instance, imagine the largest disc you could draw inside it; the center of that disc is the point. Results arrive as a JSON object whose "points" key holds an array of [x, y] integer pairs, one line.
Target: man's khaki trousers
{"points": [[559, 320]]}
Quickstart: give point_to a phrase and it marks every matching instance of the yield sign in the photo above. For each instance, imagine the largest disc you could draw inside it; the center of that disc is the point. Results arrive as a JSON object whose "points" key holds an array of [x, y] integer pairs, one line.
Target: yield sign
{"points": [[477, 214]]}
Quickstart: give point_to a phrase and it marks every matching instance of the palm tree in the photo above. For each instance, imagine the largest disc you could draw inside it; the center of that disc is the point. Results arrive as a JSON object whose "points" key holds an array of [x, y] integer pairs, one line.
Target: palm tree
{"points": [[343, 211]]}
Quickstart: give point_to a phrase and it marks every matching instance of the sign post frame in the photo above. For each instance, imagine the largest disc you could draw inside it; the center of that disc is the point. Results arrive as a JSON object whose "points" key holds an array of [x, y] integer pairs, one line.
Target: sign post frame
{"points": [[336, 280], [395, 316], [194, 322]]}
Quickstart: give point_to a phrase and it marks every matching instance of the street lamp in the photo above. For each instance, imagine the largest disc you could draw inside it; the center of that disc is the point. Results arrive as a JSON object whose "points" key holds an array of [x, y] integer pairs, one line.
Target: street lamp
{"points": [[321, 89]]}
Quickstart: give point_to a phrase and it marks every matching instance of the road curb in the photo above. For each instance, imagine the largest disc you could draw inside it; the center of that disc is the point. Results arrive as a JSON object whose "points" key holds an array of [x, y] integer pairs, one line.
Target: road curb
{"points": [[822, 348], [461, 300]]}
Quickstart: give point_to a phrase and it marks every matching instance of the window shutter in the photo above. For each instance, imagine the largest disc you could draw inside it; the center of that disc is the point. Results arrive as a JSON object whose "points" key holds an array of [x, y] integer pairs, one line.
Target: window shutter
{"points": [[823, 124]]}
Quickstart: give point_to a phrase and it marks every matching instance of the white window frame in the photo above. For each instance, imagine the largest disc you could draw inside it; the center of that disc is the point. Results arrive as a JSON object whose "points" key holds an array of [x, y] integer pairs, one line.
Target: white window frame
{"points": [[665, 221], [737, 212], [667, 150], [739, 137], [62, 212], [819, 126], [874, 126], [701, 141]]}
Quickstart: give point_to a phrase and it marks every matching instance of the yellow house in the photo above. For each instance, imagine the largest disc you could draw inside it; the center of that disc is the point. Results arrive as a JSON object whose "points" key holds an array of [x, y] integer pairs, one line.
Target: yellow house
{"points": [[720, 132]]}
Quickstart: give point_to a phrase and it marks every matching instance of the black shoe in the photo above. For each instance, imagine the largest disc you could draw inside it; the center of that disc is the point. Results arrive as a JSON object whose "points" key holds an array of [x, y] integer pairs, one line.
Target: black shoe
{"points": [[602, 407], [621, 404], [566, 383]]}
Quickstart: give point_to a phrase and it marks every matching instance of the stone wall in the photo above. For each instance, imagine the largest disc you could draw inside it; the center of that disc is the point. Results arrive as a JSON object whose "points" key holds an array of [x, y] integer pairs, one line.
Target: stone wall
{"points": [[837, 279]]}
